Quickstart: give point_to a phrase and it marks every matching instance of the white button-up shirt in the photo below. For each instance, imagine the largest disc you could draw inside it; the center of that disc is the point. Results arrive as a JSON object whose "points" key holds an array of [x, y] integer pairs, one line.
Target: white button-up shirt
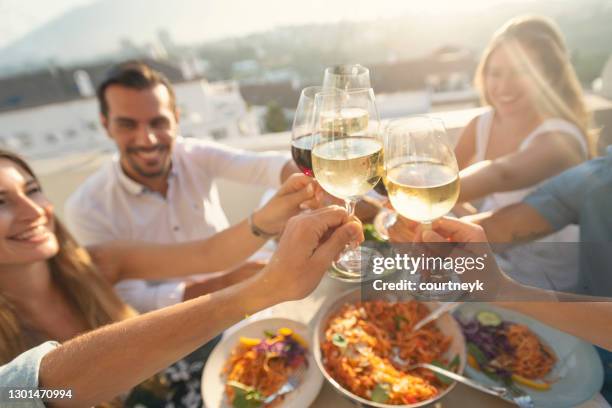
{"points": [[111, 206]]}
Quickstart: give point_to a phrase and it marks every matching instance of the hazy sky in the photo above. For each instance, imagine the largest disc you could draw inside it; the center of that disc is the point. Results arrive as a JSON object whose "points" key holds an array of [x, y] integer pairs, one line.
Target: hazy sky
{"points": [[21, 16]]}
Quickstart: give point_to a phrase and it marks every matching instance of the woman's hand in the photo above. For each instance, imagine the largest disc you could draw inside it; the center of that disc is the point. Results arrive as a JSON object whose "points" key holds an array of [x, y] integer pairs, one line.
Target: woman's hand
{"points": [[298, 192], [310, 243]]}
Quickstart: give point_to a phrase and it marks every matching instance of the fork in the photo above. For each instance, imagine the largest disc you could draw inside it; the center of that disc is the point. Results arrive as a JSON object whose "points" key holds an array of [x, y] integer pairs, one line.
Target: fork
{"points": [[446, 307], [292, 383], [511, 393]]}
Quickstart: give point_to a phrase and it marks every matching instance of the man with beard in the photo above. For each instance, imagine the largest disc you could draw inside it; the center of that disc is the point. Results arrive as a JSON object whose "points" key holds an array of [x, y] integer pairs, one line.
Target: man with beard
{"points": [[161, 188]]}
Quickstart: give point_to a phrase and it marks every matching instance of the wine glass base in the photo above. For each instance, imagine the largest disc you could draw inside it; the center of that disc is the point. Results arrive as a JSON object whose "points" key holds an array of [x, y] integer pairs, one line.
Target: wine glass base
{"points": [[383, 221], [357, 269]]}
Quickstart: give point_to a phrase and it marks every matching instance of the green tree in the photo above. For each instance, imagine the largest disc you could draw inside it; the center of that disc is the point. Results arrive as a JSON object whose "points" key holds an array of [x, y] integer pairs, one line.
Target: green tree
{"points": [[275, 120]]}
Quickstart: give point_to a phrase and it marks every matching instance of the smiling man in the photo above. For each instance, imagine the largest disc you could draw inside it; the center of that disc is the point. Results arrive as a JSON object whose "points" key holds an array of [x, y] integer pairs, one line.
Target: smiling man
{"points": [[160, 187]]}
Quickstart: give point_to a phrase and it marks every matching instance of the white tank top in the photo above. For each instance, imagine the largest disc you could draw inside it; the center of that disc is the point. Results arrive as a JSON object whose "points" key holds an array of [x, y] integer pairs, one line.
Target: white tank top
{"points": [[545, 266]]}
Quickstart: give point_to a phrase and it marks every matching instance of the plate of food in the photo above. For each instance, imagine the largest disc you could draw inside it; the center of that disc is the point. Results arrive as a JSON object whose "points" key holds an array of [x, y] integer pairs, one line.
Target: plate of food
{"points": [[510, 349], [266, 363], [364, 348]]}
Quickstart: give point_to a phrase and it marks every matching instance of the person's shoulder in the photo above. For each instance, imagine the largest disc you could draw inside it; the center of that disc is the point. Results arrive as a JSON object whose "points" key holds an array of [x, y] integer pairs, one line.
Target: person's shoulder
{"points": [[92, 188]]}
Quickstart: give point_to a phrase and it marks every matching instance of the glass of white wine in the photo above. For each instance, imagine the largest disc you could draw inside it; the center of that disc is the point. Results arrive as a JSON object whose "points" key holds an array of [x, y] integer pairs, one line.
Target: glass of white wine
{"points": [[421, 173], [347, 157], [347, 76]]}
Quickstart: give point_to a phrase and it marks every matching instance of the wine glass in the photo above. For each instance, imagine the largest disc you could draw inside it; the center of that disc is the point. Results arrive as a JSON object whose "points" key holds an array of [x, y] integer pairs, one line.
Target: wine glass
{"points": [[301, 132], [347, 156], [347, 76], [421, 173]]}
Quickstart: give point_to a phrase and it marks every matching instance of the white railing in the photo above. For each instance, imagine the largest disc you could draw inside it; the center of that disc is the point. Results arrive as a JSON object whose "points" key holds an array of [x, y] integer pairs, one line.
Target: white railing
{"points": [[60, 176]]}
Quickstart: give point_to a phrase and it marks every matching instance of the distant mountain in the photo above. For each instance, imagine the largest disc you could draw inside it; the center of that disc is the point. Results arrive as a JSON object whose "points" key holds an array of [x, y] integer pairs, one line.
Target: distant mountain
{"points": [[98, 28], [103, 27]]}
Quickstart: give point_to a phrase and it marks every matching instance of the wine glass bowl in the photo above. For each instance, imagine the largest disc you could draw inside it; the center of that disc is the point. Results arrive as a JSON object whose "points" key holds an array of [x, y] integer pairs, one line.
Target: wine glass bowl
{"points": [[346, 76], [301, 131], [421, 172]]}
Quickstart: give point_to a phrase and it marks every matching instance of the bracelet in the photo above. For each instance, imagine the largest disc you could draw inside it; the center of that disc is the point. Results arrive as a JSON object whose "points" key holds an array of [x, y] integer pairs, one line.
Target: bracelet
{"points": [[258, 232]]}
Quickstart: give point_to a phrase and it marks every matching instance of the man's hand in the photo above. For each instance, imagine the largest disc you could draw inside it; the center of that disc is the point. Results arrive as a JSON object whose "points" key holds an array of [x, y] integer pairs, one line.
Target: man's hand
{"points": [[451, 230], [310, 243], [296, 194], [442, 230]]}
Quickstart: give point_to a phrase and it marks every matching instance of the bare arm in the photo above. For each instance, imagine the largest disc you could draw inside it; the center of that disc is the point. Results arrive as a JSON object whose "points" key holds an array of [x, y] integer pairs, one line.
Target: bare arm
{"points": [[129, 352], [136, 260], [197, 288], [123, 354], [583, 316], [512, 224], [548, 155]]}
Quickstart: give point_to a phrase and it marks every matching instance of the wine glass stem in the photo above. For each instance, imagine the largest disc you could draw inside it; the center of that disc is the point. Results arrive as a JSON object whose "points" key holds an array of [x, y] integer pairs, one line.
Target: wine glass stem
{"points": [[350, 207]]}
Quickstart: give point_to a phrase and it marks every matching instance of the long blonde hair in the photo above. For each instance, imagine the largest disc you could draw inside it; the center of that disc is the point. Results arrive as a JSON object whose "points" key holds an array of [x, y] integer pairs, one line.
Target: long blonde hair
{"points": [[74, 273], [560, 91]]}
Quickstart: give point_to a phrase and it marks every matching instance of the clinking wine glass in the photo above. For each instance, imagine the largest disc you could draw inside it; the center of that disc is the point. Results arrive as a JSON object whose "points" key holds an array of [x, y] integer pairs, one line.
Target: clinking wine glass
{"points": [[346, 77], [301, 132], [347, 158], [421, 176]]}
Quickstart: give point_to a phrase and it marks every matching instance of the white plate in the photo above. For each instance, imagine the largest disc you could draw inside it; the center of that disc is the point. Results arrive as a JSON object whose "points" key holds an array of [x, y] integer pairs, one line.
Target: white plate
{"points": [[578, 366], [213, 383]]}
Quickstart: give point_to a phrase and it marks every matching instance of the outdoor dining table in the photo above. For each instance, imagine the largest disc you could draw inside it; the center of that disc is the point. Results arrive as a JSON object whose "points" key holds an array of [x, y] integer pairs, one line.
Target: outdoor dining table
{"points": [[305, 311]]}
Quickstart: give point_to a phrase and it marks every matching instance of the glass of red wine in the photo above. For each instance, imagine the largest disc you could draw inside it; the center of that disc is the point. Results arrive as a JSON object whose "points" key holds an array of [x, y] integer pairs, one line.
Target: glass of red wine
{"points": [[301, 132]]}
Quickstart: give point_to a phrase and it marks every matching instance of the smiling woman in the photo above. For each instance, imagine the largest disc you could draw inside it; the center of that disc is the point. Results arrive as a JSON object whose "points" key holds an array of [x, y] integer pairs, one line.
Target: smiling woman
{"points": [[51, 289], [537, 126], [27, 232], [30, 234]]}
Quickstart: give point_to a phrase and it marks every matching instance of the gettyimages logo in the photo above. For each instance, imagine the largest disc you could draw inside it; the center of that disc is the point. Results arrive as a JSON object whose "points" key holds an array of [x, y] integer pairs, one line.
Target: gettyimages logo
{"points": [[412, 264]]}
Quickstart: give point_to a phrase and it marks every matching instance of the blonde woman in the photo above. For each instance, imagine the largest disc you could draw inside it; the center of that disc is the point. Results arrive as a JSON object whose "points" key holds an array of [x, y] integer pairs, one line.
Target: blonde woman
{"points": [[53, 289], [536, 126]]}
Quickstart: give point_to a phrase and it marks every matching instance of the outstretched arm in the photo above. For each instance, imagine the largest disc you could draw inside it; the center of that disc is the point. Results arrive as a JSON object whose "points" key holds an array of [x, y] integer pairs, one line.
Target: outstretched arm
{"points": [[548, 155], [512, 224], [121, 355], [586, 317], [136, 260]]}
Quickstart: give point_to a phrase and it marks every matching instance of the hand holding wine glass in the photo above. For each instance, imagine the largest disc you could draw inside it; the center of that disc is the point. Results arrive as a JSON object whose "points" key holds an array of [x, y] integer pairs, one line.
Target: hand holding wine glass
{"points": [[421, 176], [347, 153]]}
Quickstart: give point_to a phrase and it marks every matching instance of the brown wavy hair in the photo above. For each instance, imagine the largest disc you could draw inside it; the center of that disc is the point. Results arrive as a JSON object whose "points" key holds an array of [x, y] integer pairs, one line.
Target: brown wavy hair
{"points": [[73, 271], [560, 93]]}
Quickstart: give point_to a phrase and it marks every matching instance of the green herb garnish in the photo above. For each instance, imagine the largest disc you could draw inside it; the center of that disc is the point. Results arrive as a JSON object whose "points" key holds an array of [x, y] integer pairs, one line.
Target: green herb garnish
{"points": [[441, 377], [370, 234], [339, 340], [454, 363], [380, 394], [269, 334], [245, 396], [398, 319], [477, 353]]}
